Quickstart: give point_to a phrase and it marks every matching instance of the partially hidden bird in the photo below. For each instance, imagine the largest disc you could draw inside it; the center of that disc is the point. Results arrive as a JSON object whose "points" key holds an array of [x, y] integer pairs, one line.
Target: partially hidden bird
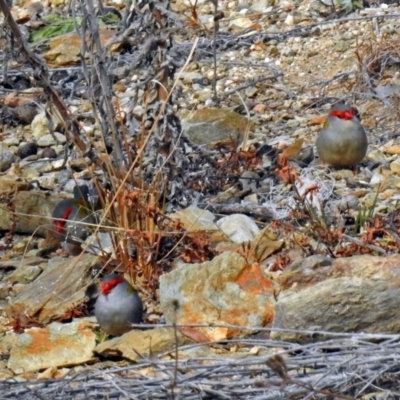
{"points": [[342, 141], [118, 305], [71, 216]]}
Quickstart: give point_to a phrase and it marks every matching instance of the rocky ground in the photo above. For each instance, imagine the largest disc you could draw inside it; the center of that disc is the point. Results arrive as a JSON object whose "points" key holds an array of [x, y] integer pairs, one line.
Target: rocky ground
{"points": [[260, 234]]}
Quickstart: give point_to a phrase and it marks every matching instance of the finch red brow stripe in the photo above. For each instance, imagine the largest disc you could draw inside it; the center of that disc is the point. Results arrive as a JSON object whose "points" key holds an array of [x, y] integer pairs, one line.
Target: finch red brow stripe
{"points": [[106, 287], [61, 224], [348, 114], [67, 213]]}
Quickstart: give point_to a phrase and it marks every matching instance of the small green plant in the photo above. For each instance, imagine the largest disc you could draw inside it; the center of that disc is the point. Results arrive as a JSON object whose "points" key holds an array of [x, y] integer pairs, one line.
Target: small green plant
{"points": [[365, 213], [101, 337], [110, 19], [347, 6], [57, 25], [316, 214]]}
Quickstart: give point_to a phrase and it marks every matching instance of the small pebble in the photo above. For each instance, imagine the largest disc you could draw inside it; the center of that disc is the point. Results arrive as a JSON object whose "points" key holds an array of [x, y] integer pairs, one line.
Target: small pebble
{"points": [[6, 159], [49, 152], [25, 113], [27, 150]]}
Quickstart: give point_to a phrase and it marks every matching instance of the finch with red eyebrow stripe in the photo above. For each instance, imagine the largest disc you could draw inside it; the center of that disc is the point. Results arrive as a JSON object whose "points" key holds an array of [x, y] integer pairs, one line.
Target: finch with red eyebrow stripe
{"points": [[118, 305], [69, 218], [342, 141]]}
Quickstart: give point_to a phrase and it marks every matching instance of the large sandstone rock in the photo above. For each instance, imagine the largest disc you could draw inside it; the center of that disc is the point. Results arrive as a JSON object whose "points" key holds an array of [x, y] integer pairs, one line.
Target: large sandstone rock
{"points": [[56, 345], [210, 125], [226, 290], [356, 294], [32, 212], [56, 293], [136, 344]]}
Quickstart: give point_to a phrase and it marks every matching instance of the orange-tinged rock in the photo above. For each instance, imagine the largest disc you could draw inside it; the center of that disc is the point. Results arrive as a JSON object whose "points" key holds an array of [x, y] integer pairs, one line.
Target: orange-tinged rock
{"points": [[54, 346], [260, 108], [225, 291], [393, 150], [253, 280], [293, 150], [65, 49], [194, 334], [317, 120]]}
